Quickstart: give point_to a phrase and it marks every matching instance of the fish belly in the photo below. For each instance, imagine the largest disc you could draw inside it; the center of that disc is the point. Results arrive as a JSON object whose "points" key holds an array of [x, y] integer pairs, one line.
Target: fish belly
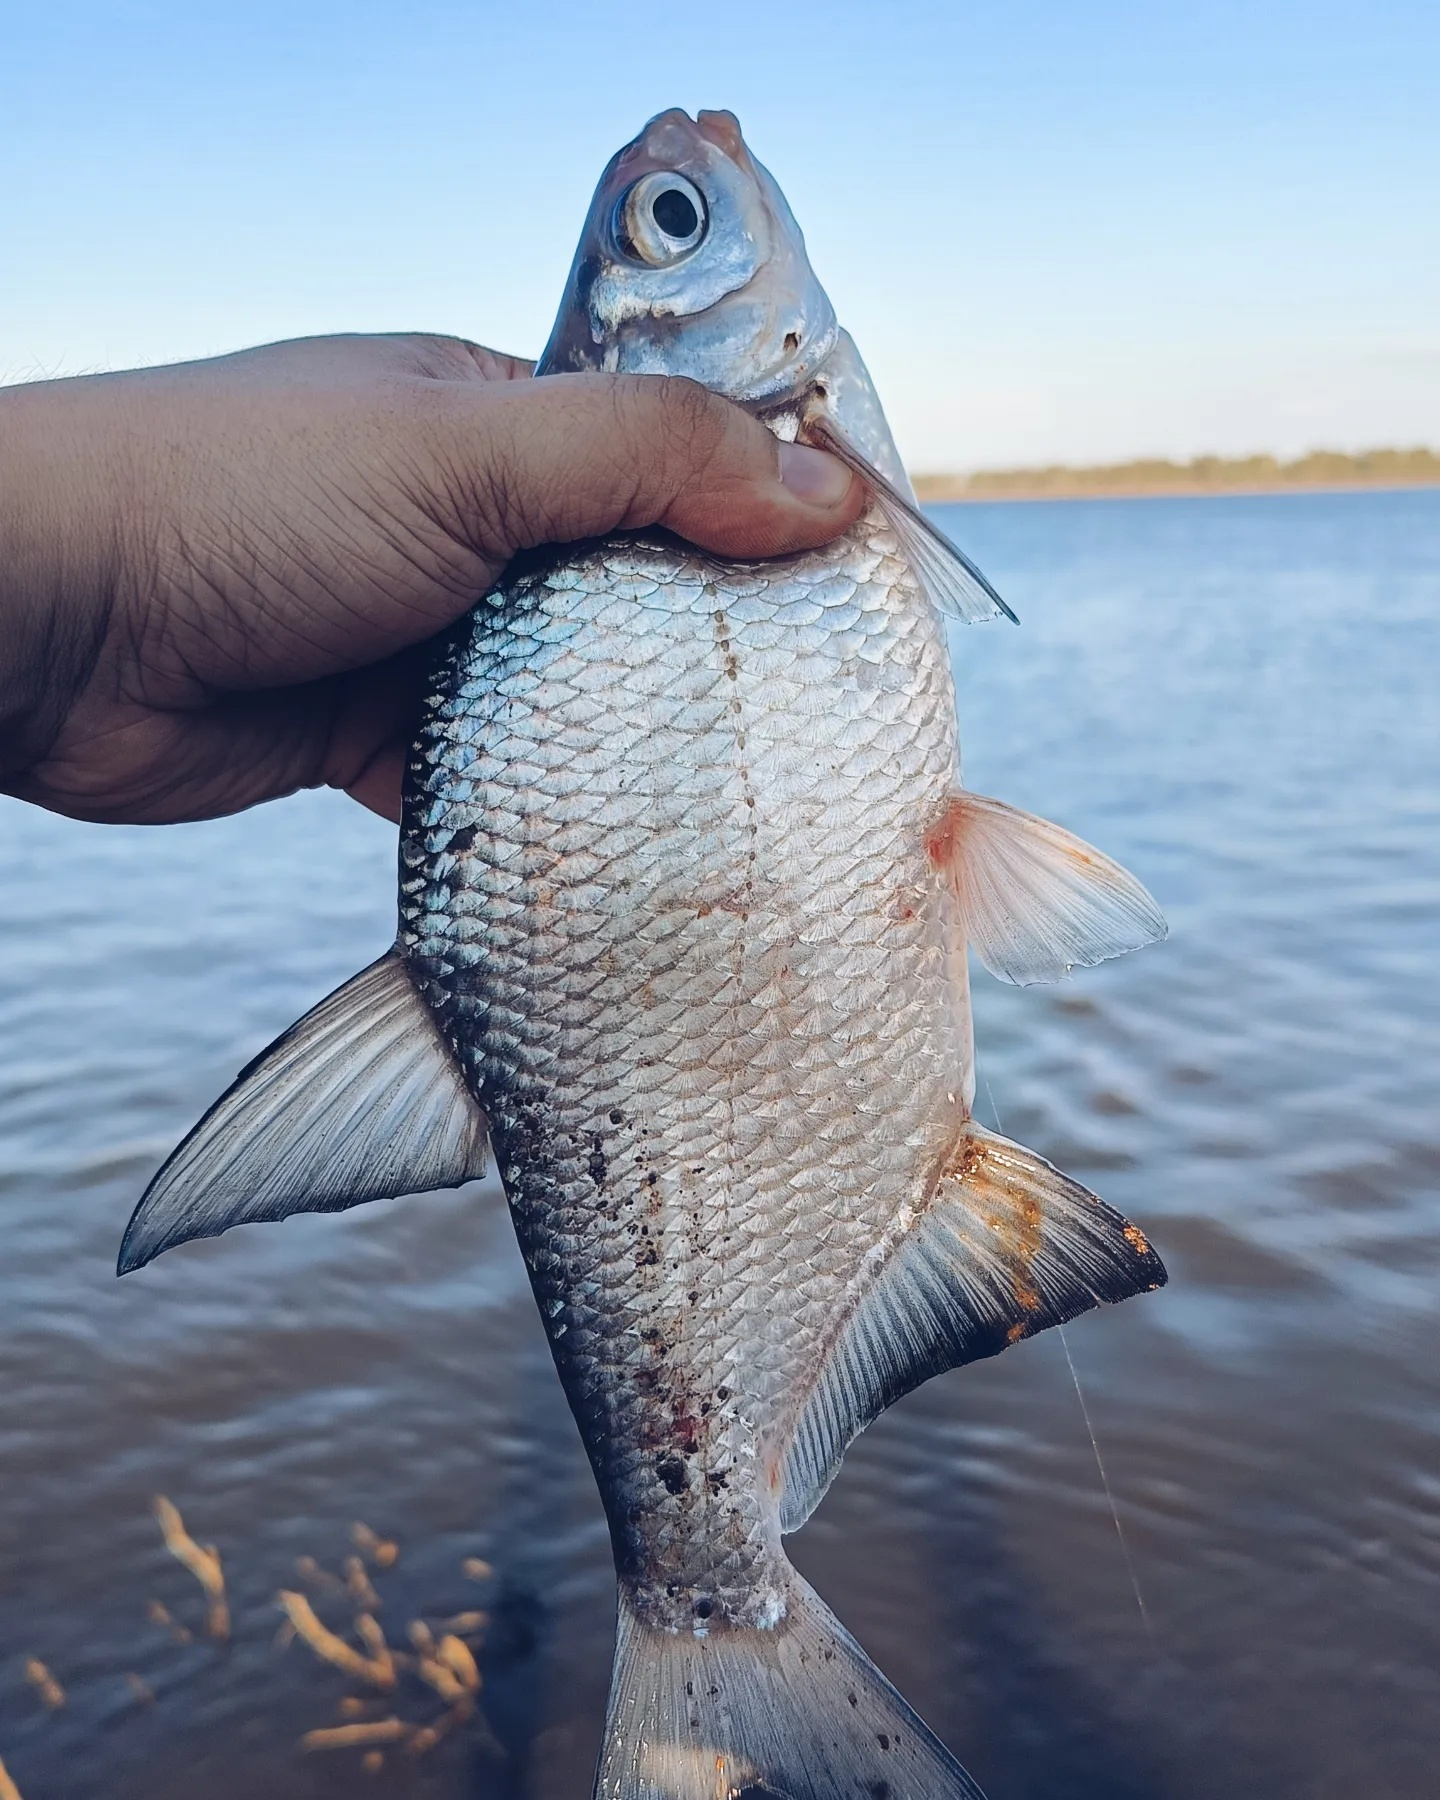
{"points": [[665, 883]]}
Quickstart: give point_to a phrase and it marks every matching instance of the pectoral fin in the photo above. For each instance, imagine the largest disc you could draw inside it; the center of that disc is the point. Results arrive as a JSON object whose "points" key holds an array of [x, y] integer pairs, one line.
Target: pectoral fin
{"points": [[1037, 901], [361, 1100], [1007, 1246], [946, 573]]}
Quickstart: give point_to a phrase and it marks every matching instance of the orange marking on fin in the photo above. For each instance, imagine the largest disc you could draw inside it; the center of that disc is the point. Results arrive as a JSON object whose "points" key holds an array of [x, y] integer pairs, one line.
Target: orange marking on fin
{"points": [[1016, 1220]]}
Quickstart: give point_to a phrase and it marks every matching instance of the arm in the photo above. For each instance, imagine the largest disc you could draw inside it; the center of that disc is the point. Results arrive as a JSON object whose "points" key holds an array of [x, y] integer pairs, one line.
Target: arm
{"points": [[216, 579]]}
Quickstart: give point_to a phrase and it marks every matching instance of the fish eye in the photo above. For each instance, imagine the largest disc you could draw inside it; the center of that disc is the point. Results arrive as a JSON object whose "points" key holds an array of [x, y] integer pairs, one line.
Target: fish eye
{"points": [[660, 219], [674, 213]]}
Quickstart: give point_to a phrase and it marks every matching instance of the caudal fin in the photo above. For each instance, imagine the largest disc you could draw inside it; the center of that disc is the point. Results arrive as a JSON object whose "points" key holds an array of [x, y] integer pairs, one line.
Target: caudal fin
{"points": [[798, 1712]]}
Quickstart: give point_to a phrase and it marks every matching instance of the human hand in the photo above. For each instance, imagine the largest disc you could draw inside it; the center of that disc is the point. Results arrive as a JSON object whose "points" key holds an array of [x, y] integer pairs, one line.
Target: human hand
{"points": [[217, 579]]}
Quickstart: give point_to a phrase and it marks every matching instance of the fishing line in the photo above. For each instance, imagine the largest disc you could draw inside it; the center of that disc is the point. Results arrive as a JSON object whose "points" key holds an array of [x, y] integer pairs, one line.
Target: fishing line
{"points": [[1105, 1483], [1094, 1441]]}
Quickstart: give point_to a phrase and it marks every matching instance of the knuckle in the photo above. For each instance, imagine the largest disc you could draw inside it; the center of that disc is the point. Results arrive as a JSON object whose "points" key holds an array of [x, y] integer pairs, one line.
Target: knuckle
{"points": [[695, 423]]}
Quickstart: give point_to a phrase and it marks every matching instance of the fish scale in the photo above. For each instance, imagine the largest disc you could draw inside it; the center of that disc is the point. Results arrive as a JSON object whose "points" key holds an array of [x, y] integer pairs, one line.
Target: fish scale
{"points": [[731, 984]]}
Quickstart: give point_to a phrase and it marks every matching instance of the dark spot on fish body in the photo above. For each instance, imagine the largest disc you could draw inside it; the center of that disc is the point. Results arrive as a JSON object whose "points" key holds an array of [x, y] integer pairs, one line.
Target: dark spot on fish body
{"points": [[462, 840], [671, 1471], [879, 1790], [704, 1606], [597, 1164], [882, 1740]]}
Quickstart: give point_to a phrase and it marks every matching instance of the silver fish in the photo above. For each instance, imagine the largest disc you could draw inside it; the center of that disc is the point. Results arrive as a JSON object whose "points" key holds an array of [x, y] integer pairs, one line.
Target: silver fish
{"points": [[687, 885]]}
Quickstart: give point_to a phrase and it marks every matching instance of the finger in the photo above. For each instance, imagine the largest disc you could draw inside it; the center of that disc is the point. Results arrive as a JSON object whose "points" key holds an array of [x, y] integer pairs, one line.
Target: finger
{"points": [[142, 767], [150, 766], [575, 456], [354, 357], [375, 718], [457, 359], [380, 785]]}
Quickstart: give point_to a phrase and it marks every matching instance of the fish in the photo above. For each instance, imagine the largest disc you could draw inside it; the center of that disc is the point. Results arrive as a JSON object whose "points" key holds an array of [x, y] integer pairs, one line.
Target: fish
{"points": [[688, 889]]}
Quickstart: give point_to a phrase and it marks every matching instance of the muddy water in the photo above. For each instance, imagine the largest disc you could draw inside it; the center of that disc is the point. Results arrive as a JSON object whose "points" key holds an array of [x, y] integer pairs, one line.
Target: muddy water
{"points": [[1238, 697]]}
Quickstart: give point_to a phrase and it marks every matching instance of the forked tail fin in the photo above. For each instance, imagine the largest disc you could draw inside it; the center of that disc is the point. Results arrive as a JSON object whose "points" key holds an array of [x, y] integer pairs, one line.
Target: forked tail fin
{"points": [[794, 1713]]}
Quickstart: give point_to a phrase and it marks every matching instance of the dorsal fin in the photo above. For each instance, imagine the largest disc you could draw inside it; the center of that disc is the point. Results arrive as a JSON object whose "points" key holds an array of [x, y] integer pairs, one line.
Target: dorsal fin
{"points": [[361, 1100], [1007, 1246]]}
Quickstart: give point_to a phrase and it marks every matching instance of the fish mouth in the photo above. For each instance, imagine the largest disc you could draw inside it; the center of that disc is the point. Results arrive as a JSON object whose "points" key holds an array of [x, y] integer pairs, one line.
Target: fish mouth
{"points": [[672, 137]]}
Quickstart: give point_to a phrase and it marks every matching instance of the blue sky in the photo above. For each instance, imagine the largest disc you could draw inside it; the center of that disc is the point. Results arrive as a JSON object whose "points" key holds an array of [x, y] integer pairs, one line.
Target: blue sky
{"points": [[1058, 231]]}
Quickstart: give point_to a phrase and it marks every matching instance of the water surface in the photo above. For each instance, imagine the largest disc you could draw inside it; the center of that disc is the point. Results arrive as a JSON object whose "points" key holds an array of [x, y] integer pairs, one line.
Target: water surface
{"points": [[1235, 696]]}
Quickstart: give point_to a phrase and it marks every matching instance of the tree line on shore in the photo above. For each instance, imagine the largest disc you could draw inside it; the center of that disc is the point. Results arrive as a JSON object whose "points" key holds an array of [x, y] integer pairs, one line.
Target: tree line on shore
{"points": [[1417, 467]]}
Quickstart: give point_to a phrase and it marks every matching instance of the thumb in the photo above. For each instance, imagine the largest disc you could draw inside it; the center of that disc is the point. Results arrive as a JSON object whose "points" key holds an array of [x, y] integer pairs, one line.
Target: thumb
{"points": [[574, 456]]}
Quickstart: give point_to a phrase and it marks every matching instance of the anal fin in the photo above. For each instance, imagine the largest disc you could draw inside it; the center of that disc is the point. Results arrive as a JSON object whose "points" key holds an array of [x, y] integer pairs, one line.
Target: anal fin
{"points": [[1006, 1247], [360, 1100]]}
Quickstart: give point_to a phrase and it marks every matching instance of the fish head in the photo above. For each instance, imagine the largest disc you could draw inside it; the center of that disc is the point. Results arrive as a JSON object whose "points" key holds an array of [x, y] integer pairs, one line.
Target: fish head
{"points": [[691, 263]]}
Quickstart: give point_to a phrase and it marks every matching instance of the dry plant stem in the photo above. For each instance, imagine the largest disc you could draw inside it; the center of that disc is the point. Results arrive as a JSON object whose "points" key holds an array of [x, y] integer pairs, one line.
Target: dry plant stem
{"points": [[444, 1680], [378, 1672], [457, 1657], [161, 1615], [429, 1736], [44, 1683], [8, 1789], [373, 1761], [383, 1552], [202, 1562], [346, 1737], [359, 1586], [468, 1624], [373, 1638], [477, 1568], [311, 1573]]}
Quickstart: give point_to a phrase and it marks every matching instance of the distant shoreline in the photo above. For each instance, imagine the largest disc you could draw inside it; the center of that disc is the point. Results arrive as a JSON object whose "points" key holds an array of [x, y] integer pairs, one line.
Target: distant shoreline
{"points": [[1323, 471], [1024, 496]]}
